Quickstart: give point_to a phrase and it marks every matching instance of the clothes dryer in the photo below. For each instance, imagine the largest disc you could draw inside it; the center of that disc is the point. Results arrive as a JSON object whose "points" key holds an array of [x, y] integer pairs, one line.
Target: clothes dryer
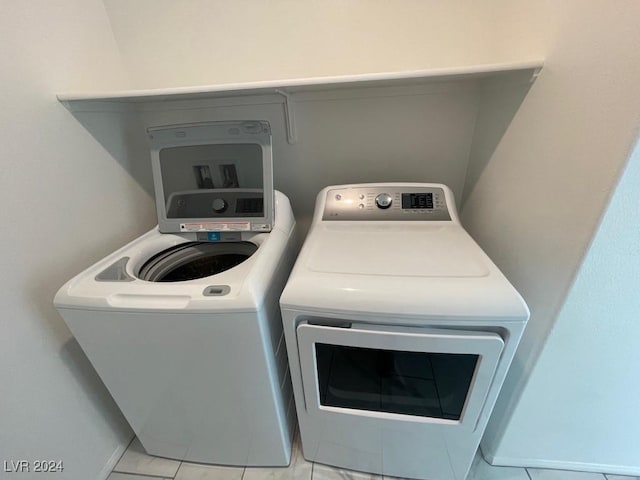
{"points": [[400, 331], [183, 324]]}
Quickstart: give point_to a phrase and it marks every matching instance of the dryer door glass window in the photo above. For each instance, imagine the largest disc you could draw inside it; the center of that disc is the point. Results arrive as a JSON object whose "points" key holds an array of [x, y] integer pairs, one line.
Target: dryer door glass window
{"points": [[410, 383]]}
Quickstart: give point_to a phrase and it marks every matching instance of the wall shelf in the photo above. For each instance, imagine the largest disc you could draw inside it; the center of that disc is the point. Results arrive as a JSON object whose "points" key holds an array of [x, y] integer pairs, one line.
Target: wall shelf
{"points": [[289, 89], [301, 84]]}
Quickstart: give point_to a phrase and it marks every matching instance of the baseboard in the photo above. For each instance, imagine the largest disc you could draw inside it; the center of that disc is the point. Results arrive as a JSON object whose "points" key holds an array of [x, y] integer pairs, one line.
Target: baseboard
{"points": [[113, 460], [562, 465]]}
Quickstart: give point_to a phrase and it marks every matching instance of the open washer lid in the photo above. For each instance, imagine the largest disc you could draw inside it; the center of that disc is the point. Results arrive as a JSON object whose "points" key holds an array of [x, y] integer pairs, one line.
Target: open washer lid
{"points": [[212, 177]]}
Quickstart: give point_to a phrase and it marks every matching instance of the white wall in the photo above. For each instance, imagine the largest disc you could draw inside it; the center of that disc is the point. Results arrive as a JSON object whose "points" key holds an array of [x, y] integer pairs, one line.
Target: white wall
{"points": [[534, 203], [365, 135], [166, 43], [66, 202], [581, 405]]}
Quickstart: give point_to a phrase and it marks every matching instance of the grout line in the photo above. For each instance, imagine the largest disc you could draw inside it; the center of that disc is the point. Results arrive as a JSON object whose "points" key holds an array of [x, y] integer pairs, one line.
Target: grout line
{"points": [[143, 475], [177, 470]]}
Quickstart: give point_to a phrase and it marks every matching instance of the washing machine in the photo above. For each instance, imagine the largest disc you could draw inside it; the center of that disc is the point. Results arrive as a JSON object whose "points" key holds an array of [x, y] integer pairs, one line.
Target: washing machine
{"points": [[183, 324], [400, 331]]}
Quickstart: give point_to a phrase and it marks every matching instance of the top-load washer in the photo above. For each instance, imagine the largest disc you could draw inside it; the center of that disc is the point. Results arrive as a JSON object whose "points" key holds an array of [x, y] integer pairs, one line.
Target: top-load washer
{"points": [[400, 331], [183, 324]]}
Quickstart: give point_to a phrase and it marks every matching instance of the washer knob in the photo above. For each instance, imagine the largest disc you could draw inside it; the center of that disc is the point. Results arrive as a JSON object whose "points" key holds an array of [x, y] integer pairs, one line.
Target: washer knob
{"points": [[383, 200], [219, 205]]}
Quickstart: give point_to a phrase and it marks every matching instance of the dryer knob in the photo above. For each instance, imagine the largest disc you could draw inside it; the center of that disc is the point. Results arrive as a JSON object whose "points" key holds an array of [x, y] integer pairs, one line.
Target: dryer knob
{"points": [[219, 205], [383, 200]]}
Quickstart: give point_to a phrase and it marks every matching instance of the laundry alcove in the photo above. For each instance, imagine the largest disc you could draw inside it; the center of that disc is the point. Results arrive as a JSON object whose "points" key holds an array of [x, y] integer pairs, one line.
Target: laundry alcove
{"points": [[437, 125]]}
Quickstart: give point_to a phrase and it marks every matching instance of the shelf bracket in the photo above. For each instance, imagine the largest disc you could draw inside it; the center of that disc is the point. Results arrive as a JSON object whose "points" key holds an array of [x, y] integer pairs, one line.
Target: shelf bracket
{"points": [[535, 73], [289, 117]]}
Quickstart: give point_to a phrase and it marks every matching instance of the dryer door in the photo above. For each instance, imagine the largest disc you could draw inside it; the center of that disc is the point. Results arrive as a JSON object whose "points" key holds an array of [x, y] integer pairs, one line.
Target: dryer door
{"points": [[418, 374]]}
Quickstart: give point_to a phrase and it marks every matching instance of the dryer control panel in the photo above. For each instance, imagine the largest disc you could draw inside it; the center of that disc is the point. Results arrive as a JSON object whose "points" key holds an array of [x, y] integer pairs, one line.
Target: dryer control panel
{"points": [[386, 203]]}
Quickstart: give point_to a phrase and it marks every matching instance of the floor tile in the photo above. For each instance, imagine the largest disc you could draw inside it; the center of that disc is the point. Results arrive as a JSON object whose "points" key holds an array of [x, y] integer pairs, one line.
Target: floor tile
{"points": [[298, 469], [546, 474], [135, 460], [292, 472], [129, 476], [325, 472], [197, 471], [481, 470], [620, 477]]}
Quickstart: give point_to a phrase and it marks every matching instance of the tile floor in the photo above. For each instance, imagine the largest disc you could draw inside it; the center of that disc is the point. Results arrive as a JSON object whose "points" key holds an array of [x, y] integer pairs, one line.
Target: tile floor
{"points": [[137, 465]]}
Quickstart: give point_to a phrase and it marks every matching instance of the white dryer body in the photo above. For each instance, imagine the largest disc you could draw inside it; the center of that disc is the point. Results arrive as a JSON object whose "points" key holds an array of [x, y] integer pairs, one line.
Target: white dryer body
{"points": [[399, 330]]}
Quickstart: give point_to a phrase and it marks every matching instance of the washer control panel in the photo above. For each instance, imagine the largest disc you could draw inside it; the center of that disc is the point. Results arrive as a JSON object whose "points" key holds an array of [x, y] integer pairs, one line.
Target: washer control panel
{"points": [[386, 203]]}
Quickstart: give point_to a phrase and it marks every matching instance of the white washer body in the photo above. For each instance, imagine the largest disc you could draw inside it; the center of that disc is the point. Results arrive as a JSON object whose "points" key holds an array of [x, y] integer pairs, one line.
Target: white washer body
{"points": [[395, 280], [200, 378]]}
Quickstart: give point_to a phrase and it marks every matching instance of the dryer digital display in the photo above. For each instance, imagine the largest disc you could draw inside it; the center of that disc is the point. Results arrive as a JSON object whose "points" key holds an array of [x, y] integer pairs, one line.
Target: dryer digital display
{"points": [[417, 200]]}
